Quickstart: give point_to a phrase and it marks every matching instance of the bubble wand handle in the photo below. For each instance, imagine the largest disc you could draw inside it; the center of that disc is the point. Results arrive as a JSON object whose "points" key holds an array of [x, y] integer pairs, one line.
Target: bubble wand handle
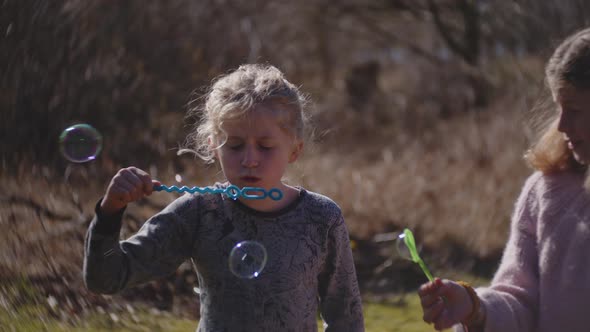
{"points": [[231, 191], [411, 244]]}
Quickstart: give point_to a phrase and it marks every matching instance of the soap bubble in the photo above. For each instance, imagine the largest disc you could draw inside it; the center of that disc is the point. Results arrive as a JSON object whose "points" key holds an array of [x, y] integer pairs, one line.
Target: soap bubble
{"points": [[80, 143], [247, 259]]}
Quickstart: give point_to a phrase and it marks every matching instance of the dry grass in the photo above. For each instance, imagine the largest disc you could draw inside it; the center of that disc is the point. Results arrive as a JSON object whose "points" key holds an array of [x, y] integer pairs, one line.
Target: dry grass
{"points": [[452, 180], [456, 179]]}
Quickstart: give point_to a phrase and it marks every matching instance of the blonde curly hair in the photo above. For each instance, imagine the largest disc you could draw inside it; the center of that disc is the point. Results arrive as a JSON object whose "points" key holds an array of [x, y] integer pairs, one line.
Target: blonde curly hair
{"points": [[234, 95]]}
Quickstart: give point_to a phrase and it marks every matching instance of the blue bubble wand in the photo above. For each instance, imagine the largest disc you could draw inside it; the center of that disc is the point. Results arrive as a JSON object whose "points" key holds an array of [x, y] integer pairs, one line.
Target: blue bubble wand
{"points": [[232, 191]]}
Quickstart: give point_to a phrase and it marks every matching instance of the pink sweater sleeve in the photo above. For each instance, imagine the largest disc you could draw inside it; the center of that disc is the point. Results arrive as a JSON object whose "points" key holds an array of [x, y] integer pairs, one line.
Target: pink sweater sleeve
{"points": [[511, 299]]}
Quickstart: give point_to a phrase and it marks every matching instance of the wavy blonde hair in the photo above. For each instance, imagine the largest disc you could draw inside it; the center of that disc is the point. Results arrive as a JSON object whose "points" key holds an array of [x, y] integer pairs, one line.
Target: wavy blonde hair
{"points": [[568, 66], [235, 94]]}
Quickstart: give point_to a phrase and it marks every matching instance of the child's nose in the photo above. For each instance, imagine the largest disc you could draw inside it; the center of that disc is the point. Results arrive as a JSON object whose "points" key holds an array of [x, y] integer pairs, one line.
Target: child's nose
{"points": [[250, 158], [563, 123]]}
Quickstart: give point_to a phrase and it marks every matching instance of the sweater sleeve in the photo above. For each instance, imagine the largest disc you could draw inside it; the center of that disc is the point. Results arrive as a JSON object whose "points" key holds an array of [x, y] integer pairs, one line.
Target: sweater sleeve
{"points": [[340, 300], [156, 250], [512, 300]]}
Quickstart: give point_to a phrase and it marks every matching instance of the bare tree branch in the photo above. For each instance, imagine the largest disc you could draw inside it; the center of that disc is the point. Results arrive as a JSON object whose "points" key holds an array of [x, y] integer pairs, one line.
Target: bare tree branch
{"points": [[468, 48], [363, 15]]}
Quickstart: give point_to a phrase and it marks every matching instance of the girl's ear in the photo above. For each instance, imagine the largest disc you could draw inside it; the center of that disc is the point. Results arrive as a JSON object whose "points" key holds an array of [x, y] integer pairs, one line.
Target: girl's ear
{"points": [[296, 151], [212, 146]]}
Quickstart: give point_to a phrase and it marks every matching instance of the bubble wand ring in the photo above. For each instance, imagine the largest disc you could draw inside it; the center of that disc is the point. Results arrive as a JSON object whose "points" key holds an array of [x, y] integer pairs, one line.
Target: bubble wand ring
{"points": [[409, 241], [231, 191]]}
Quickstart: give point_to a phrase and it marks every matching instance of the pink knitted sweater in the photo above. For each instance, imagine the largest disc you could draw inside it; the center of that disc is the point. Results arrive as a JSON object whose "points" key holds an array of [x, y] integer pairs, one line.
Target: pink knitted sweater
{"points": [[543, 282]]}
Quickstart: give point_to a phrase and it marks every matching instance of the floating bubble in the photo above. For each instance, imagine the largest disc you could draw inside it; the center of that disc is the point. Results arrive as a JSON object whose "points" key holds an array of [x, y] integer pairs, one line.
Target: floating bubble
{"points": [[247, 259], [80, 143]]}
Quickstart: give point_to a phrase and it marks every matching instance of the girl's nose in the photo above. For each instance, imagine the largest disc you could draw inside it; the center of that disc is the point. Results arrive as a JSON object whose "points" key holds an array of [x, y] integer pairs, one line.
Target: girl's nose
{"points": [[250, 158], [563, 122]]}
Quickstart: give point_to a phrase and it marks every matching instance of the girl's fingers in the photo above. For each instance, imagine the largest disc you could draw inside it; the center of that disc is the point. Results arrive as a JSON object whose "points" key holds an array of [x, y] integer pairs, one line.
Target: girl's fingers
{"points": [[146, 181], [429, 287], [436, 309], [125, 183], [147, 185], [444, 321], [439, 316], [142, 180], [125, 187], [438, 282], [124, 190], [128, 185], [424, 290], [121, 191], [429, 299], [433, 312], [132, 176]]}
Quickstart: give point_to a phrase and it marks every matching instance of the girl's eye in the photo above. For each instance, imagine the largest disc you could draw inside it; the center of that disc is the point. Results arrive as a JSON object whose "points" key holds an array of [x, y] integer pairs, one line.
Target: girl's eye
{"points": [[234, 146], [265, 147], [570, 110]]}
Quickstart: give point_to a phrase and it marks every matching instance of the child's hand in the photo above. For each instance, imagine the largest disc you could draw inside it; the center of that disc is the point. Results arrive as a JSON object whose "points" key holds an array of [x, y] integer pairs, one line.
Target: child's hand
{"points": [[445, 303], [128, 185]]}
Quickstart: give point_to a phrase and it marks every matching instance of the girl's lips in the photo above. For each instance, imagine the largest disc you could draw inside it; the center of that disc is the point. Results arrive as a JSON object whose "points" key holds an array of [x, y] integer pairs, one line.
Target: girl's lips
{"points": [[250, 179], [573, 144]]}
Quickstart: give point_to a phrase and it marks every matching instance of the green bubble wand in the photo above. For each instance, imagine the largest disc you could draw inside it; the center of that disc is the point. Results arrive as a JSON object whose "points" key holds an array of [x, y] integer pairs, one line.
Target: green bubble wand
{"points": [[410, 243]]}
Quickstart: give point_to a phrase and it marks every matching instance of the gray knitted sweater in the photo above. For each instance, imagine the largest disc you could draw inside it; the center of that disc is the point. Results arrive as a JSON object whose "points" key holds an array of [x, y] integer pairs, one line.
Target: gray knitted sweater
{"points": [[309, 265]]}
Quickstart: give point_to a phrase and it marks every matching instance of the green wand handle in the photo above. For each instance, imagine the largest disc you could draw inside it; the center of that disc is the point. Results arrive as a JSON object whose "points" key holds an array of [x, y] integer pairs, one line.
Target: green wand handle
{"points": [[411, 244]]}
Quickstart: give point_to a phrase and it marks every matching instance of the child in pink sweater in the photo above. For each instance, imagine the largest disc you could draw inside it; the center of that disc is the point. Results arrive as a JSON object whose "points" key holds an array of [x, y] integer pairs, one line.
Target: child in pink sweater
{"points": [[543, 282]]}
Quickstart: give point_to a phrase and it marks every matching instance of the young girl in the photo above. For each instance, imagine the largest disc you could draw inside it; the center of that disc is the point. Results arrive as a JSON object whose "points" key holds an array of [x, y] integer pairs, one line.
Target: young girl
{"points": [[543, 282], [253, 124]]}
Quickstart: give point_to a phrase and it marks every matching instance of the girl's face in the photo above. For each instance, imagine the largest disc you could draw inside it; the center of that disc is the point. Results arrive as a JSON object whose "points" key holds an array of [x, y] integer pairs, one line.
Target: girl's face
{"points": [[257, 150], [574, 121]]}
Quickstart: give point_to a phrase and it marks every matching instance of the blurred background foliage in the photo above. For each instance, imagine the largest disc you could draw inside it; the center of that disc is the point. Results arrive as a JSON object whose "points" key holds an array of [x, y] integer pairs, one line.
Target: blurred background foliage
{"points": [[124, 66], [420, 108]]}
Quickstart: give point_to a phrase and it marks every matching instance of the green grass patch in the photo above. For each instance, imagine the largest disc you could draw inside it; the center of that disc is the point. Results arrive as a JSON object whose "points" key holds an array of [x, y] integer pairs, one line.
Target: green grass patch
{"points": [[23, 308], [401, 315], [37, 318], [404, 315]]}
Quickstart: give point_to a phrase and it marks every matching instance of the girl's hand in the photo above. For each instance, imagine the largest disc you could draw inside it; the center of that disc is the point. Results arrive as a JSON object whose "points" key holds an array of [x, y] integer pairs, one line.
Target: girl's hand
{"points": [[128, 185], [444, 303]]}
